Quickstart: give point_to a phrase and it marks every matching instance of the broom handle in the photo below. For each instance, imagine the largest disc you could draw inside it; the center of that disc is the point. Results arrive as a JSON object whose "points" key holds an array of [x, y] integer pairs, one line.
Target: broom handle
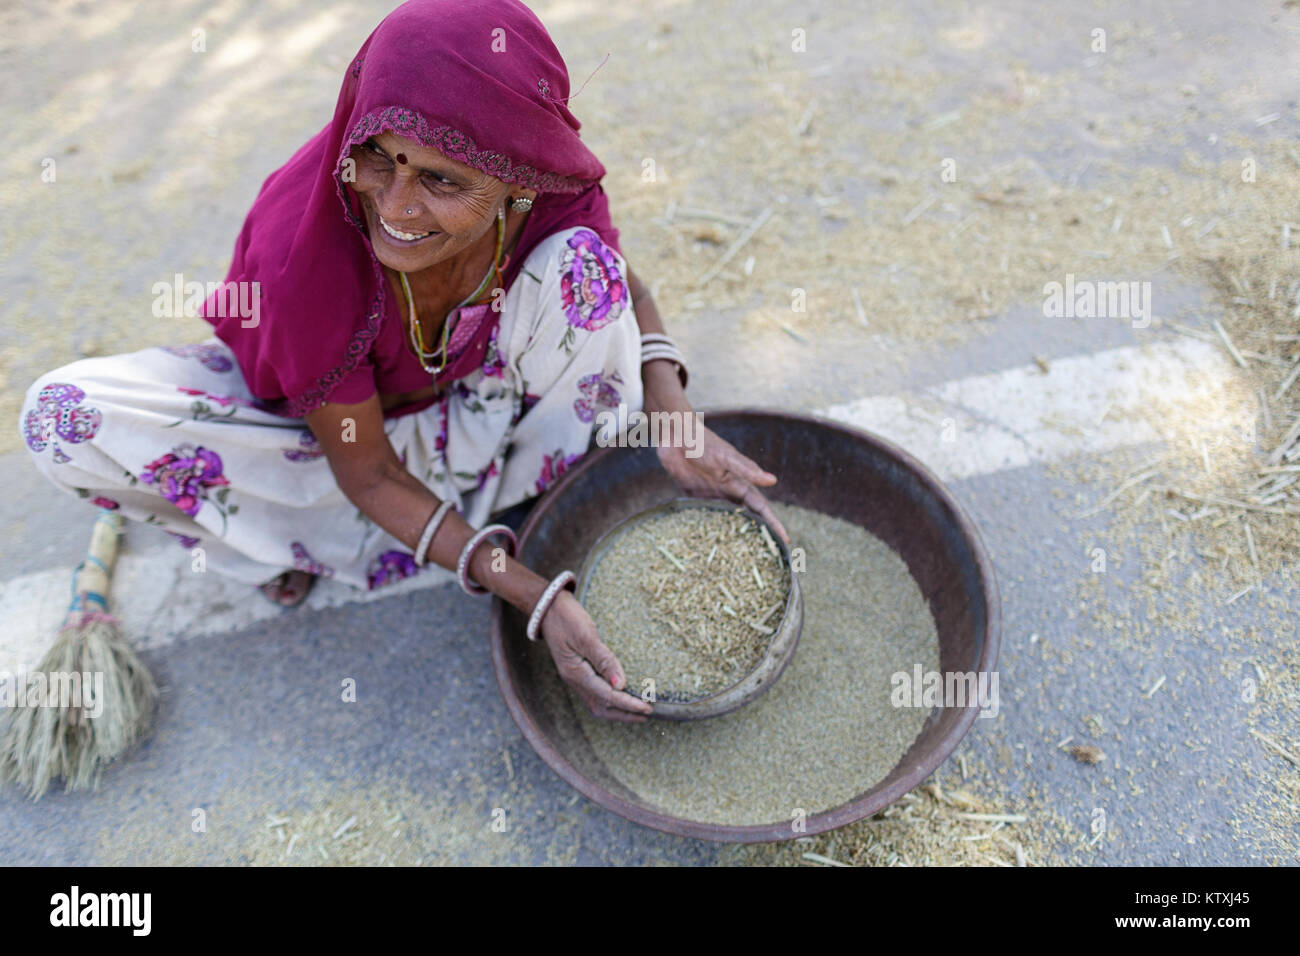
{"points": [[90, 579]]}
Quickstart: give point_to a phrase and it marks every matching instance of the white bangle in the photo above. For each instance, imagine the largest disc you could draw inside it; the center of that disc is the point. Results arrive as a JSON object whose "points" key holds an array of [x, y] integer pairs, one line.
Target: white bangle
{"points": [[430, 530], [462, 566], [565, 579], [657, 345], [662, 351]]}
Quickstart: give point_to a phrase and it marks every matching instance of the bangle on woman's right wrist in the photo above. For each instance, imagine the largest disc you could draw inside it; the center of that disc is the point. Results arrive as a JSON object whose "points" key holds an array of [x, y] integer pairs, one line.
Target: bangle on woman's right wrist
{"points": [[565, 579], [467, 553], [430, 529]]}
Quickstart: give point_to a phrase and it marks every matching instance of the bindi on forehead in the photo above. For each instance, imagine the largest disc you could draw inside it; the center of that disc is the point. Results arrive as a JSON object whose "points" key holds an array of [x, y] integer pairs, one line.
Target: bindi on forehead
{"points": [[403, 153]]}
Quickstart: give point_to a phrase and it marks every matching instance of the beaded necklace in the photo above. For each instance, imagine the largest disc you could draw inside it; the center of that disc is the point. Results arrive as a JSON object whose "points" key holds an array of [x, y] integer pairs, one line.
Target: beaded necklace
{"points": [[417, 333]]}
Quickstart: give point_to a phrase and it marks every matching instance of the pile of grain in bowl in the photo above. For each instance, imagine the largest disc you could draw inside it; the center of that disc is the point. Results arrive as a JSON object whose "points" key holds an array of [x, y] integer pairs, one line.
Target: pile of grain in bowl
{"points": [[689, 599], [824, 733]]}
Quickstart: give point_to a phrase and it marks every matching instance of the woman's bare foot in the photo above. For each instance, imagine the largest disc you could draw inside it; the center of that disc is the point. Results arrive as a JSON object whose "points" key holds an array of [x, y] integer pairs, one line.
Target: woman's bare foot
{"points": [[289, 589]]}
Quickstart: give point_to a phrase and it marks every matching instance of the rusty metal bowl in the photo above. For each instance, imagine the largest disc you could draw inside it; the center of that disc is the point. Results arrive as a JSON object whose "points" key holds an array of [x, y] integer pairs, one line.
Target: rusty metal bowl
{"points": [[835, 469], [780, 647]]}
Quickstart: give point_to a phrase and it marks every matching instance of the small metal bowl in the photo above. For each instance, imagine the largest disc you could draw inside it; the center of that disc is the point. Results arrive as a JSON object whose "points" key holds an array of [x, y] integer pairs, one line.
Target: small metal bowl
{"points": [[781, 645]]}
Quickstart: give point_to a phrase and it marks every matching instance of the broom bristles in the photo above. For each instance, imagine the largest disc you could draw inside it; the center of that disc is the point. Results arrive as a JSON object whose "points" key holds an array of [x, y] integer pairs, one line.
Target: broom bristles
{"points": [[43, 743]]}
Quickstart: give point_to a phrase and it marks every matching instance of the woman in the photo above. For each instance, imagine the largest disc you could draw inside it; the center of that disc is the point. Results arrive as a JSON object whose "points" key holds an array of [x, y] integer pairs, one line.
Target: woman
{"points": [[439, 310]]}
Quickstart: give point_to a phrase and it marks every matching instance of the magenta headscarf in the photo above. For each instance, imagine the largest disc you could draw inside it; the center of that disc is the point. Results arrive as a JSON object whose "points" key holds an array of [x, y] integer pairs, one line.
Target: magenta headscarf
{"points": [[478, 80]]}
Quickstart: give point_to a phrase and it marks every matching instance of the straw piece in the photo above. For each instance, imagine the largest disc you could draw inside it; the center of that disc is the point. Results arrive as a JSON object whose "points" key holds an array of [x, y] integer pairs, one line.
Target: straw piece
{"points": [[1244, 591], [1286, 383], [695, 212], [669, 555], [1250, 545], [801, 127], [793, 334], [1226, 502], [736, 246], [824, 860], [918, 209], [1136, 479], [1274, 745], [857, 304], [1292, 434], [1232, 349]]}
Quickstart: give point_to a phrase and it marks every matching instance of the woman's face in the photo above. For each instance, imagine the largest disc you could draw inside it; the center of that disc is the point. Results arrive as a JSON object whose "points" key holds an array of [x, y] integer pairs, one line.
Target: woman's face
{"points": [[452, 205]]}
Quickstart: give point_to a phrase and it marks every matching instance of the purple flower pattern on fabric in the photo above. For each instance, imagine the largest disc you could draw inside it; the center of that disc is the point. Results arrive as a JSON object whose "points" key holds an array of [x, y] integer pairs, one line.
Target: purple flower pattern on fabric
{"points": [[440, 440], [303, 561], [529, 400], [591, 285], [308, 449], [553, 466], [485, 474], [210, 355], [201, 410], [185, 540], [103, 502], [60, 414], [494, 365], [222, 400], [184, 475], [596, 392], [389, 567]]}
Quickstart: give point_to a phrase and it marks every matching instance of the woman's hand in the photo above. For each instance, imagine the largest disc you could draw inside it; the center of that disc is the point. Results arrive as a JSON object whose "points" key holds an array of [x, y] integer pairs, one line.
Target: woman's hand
{"points": [[586, 664], [721, 472]]}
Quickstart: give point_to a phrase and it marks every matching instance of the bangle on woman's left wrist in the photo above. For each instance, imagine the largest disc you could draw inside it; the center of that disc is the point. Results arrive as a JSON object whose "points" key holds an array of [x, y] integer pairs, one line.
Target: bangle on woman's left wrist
{"points": [[657, 345]]}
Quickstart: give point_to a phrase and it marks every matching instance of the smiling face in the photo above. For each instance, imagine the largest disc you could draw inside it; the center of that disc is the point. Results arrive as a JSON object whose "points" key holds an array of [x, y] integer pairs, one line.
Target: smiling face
{"points": [[453, 206]]}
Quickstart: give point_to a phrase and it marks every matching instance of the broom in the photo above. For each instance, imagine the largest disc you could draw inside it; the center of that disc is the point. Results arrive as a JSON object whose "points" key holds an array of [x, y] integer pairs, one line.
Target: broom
{"points": [[61, 738]]}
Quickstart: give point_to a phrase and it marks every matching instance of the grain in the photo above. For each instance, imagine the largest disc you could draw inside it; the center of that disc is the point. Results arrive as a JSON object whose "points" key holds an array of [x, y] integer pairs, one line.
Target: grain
{"points": [[678, 618], [1087, 753], [825, 732]]}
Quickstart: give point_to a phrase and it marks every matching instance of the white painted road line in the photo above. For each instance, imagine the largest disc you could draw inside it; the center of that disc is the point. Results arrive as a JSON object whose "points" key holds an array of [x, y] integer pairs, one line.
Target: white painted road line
{"points": [[160, 600], [959, 429], [1090, 403]]}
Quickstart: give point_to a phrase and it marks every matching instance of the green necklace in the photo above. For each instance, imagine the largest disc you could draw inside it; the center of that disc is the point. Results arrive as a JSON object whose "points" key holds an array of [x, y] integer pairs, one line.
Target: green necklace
{"points": [[417, 336]]}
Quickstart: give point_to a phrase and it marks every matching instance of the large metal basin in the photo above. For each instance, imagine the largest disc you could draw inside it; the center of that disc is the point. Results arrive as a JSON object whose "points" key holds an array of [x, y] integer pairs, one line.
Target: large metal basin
{"points": [[820, 464]]}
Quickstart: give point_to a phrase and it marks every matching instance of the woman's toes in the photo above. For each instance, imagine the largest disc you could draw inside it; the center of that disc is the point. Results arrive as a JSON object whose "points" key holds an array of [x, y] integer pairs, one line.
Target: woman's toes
{"points": [[288, 589], [295, 588]]}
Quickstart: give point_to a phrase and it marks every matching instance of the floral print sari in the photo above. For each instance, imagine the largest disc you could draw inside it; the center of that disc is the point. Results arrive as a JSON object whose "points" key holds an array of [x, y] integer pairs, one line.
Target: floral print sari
{"points": [[172, 436]]}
